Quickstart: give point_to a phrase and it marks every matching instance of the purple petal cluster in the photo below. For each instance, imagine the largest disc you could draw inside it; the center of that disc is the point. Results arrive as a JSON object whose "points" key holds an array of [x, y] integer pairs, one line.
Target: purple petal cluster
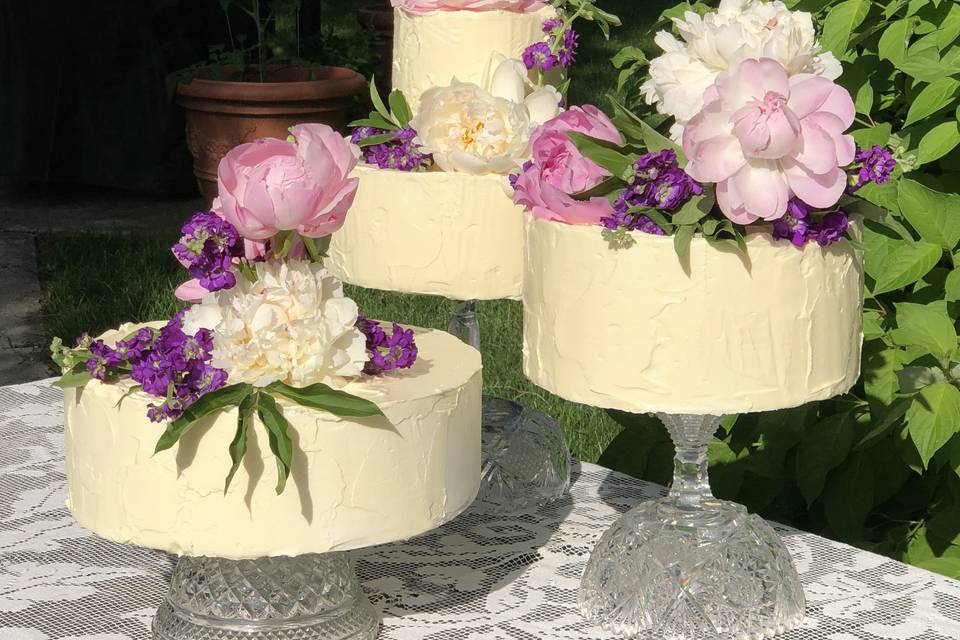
{"points": [[167, 364], [798, 227], [207, 247], [659, 183], [875, 164], [559, 49], [387, 352], [400, 153]]}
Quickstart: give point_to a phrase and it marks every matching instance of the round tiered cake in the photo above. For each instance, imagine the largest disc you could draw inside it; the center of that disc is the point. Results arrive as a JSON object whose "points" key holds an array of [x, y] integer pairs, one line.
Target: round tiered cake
{"points": [[449, 232], [355, 482], [639, 330]]}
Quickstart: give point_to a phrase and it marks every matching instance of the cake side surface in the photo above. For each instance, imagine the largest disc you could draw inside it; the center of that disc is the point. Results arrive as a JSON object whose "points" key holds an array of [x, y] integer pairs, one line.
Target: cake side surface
{"points": [[355, 482], [455, 235], [632, 330], [431, 49]]}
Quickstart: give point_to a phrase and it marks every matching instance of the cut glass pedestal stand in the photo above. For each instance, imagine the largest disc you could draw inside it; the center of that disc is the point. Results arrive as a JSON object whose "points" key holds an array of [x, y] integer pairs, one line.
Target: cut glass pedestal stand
{"points": [[525, 455], [310, 597], [689, 566]]}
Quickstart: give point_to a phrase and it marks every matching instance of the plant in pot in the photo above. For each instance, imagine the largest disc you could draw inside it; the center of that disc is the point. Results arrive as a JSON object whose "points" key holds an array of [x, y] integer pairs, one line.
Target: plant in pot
{"points": [[244, 92]]}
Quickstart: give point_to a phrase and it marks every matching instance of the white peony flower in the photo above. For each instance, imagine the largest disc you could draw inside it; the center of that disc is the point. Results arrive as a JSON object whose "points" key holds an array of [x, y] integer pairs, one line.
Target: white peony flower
{"points": [[738, 30], [475, 130], [292, 325]]}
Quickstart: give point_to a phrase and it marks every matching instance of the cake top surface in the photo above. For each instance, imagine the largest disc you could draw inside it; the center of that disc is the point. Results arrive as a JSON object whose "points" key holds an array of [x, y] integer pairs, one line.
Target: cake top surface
{"points": [[429, 6]]}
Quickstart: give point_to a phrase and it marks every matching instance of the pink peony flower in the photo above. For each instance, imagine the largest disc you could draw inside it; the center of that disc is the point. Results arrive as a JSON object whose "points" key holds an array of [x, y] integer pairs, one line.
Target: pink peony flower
{"points": [[558, 170], [270, 185], [765, 137], [426, 6]]}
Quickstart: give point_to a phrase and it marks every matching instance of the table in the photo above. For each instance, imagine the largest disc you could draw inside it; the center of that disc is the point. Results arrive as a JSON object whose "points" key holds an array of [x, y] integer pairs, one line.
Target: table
{"points": [[476, 578]]}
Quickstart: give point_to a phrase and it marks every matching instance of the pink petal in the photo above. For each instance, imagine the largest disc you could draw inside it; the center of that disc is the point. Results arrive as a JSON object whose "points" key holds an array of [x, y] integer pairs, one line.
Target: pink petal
{"points": [[818, 152], [716, 159], [840, 104], [751, 80], [822, 191], [190, 291], [732, 204], [807, 93], [712, 121], [763, 189]]}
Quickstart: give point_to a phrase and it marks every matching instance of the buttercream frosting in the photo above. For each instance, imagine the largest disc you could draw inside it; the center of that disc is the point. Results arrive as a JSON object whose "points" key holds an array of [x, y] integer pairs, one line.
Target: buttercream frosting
{"points": [[355, 482], [633, 330], [455, 235], [432, 49]]}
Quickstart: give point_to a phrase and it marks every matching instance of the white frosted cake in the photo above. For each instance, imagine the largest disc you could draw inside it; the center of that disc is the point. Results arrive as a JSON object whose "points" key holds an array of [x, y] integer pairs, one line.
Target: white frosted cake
{"points": [[442, 233], [430, 49], [355, 482], [450, 227], [632, 330]]}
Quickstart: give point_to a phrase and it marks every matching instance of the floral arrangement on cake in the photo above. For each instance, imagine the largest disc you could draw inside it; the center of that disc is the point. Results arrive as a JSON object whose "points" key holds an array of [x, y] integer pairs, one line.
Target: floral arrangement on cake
{"points": [[269, 322], [479, 129], [758, 139]]}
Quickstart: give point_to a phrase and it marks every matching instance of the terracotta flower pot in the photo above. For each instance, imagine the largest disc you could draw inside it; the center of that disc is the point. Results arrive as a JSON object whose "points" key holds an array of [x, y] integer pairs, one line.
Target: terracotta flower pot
{"points": [[221, 114]]}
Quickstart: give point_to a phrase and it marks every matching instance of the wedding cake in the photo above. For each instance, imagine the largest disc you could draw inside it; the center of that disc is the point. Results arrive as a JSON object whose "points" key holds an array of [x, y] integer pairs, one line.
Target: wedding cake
{"points": [[175, 429], [344, 491], [727, 334], [433, 214]]}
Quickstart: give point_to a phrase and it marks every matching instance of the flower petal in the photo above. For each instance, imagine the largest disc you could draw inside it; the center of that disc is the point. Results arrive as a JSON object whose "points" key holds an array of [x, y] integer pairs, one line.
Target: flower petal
{"points": [[807, 93], [716, 159], [817, 190], [763, 189]]}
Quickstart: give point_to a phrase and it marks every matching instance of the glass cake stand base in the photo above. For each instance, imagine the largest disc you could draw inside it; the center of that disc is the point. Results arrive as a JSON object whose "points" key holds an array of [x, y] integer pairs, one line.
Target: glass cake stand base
{"points": [[689, 566], [463, 322], [525, 460], [311, 597]]}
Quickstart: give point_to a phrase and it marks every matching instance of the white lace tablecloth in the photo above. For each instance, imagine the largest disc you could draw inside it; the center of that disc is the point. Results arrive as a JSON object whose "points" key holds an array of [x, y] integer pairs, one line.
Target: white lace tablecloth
{"points": [[476, 578]]}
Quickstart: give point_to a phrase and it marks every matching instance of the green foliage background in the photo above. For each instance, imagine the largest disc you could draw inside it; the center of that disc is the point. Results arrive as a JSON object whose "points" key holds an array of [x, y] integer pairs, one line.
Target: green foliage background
{"points": [[879, 467]]}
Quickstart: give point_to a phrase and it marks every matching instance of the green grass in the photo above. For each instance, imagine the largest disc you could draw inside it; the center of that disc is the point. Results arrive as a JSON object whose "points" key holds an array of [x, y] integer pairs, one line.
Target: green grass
{"points": [[96, 283]]}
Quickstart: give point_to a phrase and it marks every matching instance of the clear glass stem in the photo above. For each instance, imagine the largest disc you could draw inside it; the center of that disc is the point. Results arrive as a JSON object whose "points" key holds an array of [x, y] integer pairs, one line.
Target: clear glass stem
{"points": [[464, 323], [691, 436]]}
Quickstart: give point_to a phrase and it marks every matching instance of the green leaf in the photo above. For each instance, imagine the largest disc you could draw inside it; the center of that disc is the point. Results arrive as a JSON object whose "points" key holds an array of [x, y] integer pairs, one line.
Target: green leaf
{"points": [[840, 24], [952, 286], [890, 418], [935, 96], [872, 325], [926, 326], [693, 211], [378, 101], [208, 403], [682, 239], [72, 380], [824, 447], [320, 396], [938, 142], [878, 134], [399, 107], [655, 141], [894, 264], [850, 497], [280, 443], [627, 55], [377, 139], [893, 42], [602, 152], [913, 379], [378, 122], [642, 450], [238, 447], [880, 375], [935, 215], [946, 566], [933, 418]]}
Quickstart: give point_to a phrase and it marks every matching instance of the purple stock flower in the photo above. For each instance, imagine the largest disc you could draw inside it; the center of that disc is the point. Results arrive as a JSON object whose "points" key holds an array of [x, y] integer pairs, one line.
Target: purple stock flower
{"points": [[539, 56], [387, 352], [400, 152], [207, 247], [797, 226], [660, 184], [549, 26], [875, 164], [567, 53]]}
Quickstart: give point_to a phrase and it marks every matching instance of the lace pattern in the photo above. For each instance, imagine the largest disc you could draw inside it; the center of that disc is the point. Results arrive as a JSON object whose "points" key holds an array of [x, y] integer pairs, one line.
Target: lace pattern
{"points": [[480, 577]]}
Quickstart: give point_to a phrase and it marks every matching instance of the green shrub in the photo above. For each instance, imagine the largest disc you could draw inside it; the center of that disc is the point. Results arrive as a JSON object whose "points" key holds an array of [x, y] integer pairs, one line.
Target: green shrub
{"points": [[879, 467]]}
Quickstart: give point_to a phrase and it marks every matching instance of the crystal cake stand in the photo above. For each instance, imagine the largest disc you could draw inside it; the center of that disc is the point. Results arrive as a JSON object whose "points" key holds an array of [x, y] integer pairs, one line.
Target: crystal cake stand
{"points": [[689, 566], [525, 454], [310, 597]]}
